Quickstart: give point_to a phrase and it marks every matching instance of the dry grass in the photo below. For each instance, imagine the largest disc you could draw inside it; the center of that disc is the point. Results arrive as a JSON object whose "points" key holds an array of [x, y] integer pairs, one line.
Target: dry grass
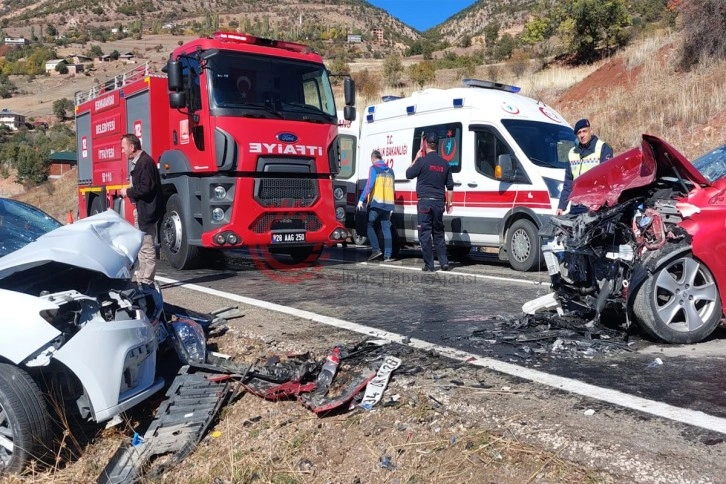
{"points": [[58, 197]]}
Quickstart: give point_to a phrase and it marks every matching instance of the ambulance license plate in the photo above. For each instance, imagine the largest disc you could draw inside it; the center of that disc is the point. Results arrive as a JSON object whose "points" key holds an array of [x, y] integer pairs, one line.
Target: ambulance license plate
{"points": [[288, 237]]}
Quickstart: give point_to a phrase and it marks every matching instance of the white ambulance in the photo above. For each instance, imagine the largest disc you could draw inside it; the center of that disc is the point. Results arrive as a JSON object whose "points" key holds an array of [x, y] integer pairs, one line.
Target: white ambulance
{"points": [[508, 155]]}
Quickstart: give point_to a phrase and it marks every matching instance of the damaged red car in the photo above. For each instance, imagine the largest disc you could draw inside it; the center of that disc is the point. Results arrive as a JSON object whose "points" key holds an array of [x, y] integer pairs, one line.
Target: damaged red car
{"points": [[651, 247]]}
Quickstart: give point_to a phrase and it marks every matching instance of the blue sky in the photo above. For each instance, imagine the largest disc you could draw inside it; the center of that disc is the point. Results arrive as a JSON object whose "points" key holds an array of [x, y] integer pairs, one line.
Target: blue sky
{"points": [[422, 14]]}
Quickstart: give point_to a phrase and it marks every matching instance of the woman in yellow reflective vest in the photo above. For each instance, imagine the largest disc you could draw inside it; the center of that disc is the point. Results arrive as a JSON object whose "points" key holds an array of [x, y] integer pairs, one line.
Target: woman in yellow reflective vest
{"points": [[588, 152]]}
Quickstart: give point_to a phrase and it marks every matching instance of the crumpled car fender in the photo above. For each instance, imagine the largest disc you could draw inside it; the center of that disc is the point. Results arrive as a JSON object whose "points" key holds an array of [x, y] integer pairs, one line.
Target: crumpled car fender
{"points": [[23, 331]]}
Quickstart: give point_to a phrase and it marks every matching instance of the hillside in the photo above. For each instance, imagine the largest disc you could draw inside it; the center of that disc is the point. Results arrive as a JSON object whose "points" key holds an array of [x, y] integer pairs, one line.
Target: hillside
{"points": [[290, 19], [511, 15]]}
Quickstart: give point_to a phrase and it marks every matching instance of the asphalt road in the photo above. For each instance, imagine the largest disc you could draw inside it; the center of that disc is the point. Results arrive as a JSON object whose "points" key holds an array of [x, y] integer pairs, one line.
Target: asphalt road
{"points": [[448, 308]]}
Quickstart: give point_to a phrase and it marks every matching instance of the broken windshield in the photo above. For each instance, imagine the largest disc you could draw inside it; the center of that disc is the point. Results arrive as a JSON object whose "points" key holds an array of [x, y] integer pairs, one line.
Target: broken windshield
{"points": [[261, 86], [545, 144], [21, 224], [712, 164]]}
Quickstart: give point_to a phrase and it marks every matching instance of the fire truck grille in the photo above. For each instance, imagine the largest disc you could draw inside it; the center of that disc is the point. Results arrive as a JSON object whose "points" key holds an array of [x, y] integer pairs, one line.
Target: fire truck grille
{"points": [[287, 192], [297, 221]]}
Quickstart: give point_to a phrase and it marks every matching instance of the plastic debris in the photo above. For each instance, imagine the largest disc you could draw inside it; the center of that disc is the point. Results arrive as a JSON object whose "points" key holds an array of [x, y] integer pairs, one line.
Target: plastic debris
{"points": [[655, 363], [589, 412]]}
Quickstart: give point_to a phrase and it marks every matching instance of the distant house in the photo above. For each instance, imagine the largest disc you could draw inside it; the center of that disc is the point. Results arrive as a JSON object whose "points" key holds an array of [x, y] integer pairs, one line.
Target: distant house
{"points": [[51, 65], [16, 41], [11, 119], [126, 56], [80, 59], [75, 68], [61, 162], [354, 39]]}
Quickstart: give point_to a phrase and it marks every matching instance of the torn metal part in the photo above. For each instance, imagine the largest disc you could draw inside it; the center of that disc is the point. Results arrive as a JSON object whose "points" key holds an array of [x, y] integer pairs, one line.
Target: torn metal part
{"points": [[192, 404], [543, 303], [337, 399]]}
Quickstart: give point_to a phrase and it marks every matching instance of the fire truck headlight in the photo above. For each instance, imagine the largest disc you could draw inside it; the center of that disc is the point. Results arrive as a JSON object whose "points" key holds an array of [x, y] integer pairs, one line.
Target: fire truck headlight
{"points": [[220, 193], [340, 213], [218, 214], [338, 193], [219, 239], [232, 239]]}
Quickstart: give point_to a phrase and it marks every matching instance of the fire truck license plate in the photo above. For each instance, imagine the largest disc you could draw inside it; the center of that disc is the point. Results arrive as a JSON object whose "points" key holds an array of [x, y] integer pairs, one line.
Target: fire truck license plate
{"points": [[288, 238]]}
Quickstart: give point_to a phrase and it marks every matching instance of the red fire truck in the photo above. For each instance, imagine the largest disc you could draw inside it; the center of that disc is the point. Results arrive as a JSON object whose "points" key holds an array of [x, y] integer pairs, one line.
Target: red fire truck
{"points": [[244, 132]]}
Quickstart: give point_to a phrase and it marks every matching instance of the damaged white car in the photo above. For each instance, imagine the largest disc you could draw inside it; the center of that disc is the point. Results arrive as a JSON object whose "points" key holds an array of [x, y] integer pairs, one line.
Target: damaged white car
{"points": [[650, 247], [73, 327]]}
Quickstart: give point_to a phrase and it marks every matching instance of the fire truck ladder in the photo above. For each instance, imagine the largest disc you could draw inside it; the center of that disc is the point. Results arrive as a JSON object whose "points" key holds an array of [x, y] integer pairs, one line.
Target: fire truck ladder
{"points": [[116, 82]]}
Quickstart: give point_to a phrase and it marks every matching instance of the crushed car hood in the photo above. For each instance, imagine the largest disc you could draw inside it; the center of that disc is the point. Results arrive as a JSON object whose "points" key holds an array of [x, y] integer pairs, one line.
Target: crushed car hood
{"points": [[605, 183], [103, 243]]}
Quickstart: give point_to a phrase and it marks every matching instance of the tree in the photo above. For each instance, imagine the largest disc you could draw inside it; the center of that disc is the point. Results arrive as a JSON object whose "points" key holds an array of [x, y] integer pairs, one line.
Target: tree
{"points": [[392, 70], [504, 47], [491, 33], [51, 30], [61, 68], [61, 108], [32, 165], [95, 51], [703, 22], [422, 73]]}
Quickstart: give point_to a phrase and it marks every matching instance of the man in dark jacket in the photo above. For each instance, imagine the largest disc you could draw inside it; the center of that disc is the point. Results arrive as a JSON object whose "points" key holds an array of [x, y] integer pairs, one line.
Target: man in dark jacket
{"points": [[435, 193], [145, 193], [588, 152]]}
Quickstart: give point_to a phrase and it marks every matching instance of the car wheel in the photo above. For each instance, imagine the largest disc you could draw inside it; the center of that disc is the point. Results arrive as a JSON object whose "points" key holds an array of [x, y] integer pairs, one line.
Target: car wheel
{"points": [[523, 245], [679, 303], [25, 431], [96, 206], [175, 237]]}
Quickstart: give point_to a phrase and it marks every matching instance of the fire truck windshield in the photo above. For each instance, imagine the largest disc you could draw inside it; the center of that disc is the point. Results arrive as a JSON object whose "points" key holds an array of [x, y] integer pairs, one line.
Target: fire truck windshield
{"points": [[261, 86]]}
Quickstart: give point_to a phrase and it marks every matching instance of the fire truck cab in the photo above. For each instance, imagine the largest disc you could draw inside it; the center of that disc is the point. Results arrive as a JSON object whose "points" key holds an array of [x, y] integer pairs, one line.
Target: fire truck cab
{"points": [[507, 152], [244, 132]]}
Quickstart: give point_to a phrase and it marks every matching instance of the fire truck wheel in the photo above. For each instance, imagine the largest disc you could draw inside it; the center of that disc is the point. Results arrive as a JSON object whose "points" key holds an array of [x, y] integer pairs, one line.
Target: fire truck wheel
{"points": [[175, 246], [96, 206], [523, 245]]}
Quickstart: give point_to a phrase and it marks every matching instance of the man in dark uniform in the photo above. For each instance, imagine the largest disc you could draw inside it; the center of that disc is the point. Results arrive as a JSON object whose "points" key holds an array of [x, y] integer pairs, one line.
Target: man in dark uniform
{"points": [[588, 152], [435, 193], [145, 193]]}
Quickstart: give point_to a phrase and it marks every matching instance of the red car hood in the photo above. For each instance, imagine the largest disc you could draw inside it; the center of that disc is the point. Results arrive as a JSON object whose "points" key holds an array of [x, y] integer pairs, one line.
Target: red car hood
{"points": [[605, 183]]}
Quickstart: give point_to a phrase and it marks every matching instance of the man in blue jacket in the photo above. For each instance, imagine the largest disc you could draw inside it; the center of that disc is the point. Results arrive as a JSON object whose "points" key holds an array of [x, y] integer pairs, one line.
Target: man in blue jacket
{"points": [[380, 194], [588, 152]]}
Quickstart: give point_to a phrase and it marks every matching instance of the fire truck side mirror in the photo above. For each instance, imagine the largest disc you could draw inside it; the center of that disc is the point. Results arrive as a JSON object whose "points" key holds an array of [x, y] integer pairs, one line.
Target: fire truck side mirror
{"points": [[349, 113], [175, 78], [349, 90], [178, 100]]}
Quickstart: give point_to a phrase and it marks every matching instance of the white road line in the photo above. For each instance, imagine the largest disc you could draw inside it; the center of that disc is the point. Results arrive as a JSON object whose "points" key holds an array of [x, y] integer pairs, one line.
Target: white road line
{"points": [[527, 282], [658, 409]]}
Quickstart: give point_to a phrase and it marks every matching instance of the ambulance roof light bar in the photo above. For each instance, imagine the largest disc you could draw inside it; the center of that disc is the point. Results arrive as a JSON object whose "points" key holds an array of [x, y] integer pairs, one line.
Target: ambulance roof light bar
{"points": [[250, 39], [388, 98], [490, 85]]}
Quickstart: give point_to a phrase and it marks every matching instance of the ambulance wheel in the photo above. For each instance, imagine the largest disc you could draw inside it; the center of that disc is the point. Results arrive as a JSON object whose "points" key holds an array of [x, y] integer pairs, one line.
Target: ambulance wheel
{"points": [[523, 246], [359, 239], [96, 206], [175, 246], [297, 255]]}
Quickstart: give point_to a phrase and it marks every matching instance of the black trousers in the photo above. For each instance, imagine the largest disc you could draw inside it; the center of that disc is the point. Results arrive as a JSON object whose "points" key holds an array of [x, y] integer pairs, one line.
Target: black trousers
{"points": [[431, 226]]}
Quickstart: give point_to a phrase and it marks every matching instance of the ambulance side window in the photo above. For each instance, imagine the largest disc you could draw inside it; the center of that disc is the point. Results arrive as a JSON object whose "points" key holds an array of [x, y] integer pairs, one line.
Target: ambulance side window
{"points": [[449, 143], [488, 146]]}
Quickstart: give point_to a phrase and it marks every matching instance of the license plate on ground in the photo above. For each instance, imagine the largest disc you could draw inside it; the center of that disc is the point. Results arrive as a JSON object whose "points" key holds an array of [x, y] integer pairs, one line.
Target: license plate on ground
{"points": [[287, 238]]}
